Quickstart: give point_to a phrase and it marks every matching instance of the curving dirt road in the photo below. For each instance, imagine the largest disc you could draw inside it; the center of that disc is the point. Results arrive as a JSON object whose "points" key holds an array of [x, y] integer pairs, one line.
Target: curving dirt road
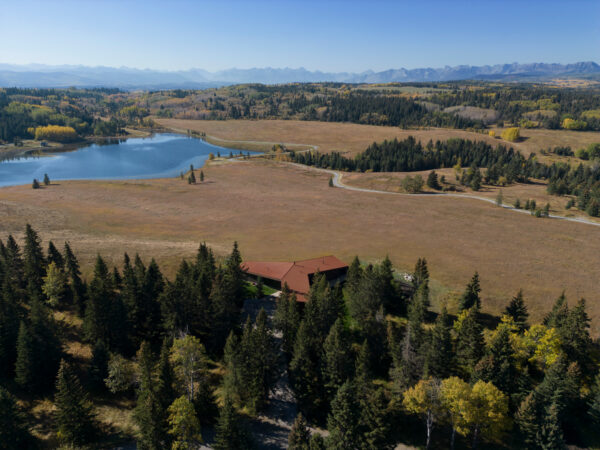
{"points": [[337, 182]]}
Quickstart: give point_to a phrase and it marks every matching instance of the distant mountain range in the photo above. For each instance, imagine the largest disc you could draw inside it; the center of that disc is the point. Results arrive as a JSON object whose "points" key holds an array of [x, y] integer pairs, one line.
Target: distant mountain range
{"points": [[37, 75]]}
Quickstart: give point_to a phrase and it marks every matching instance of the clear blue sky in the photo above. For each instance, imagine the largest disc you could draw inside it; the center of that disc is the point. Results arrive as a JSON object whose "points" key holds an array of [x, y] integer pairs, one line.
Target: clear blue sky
{"points": [[318, 35]]}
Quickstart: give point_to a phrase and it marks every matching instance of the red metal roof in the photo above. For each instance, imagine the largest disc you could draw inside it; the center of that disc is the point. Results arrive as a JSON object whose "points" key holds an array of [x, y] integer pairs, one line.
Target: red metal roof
{"points": [[295, 274]]}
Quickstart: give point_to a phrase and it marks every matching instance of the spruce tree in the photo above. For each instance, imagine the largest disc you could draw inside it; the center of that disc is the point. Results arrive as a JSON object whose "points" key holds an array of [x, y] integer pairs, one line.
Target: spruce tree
{"points": [[550, 434], [165, 389], [47, 345], [78, 288], [105, 315], [517, 310], [231, 432], [432, 181], [470, 343], [13, 428], [54, 256], [299, 437], [527, 420], [98, 370], [10, 315], [470, 297], [343, 422], [337, 359], [74, 416], [287, 320], [148, 412], [46, 180], [25, 363], [353, 277], [439, 359], [374, 420], [201, 176], [34, 263], [305, 373]]}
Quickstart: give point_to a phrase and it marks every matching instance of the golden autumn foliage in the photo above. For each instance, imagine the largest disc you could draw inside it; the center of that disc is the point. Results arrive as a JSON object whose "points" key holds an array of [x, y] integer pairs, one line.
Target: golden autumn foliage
{"points": [[511, 134], [56, 133], [571, 124]]}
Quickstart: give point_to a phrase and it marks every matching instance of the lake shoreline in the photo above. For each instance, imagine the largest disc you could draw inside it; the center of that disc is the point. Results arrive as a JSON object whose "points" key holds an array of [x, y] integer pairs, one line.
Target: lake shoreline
{"points": [[151, 156]]}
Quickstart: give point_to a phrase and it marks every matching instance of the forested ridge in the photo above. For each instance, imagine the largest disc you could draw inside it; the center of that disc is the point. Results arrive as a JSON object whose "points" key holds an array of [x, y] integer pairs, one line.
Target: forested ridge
{"points": [[501, 164], [367, 361]]}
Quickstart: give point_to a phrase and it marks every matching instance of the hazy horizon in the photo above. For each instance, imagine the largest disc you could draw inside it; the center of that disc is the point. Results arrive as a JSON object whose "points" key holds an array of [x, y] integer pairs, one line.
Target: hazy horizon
{"points": [[332, 37]]}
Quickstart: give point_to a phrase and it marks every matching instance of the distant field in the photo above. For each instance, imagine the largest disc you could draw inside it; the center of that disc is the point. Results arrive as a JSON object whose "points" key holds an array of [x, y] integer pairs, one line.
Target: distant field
{"points": [[280, 212], [354, 138], [392, 182], [328, 136]]}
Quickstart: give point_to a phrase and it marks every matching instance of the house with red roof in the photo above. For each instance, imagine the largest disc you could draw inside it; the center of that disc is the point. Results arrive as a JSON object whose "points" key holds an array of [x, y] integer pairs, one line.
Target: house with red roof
{"points": [[298, 274]]}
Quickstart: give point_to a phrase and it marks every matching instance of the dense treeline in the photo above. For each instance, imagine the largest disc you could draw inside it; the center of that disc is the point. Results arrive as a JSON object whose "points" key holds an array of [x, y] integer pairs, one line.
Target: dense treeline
{"points": [[520, 102], [396, 104], [368, 360], [28, 113], [369, 108], [150, 338], [502, 165]]}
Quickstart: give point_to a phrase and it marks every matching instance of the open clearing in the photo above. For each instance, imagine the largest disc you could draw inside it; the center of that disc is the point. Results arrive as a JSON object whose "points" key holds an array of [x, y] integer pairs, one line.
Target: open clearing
{"points": [[281, 212]]}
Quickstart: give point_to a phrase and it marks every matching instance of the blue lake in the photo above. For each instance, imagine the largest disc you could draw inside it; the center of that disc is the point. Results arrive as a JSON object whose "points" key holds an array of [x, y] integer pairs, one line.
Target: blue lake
{"points": [[159, 156]]}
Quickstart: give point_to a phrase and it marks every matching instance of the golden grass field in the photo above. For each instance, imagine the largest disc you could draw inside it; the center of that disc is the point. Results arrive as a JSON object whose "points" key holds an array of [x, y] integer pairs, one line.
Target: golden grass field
{"points": [[354, 138], [281, 212]]}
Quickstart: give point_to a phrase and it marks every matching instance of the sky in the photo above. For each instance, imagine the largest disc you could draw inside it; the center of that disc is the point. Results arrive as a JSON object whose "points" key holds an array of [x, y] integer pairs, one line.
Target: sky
{"points": [[333, 36]]}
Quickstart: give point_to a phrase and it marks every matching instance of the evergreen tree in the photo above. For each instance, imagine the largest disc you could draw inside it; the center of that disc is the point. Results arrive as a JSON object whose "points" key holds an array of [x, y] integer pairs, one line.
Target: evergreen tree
{"points": [[498, 366], [421, 273], [46, 180], [470, 344], [78, 288], [305, 373], [263, 357], [34, 263], [470, 297], [165, 390], [432, 181], [299, 437], [343, 423], [550, 434], [105, 316], [287, 320], [259, 288], [201, 176], [25, 363], [353, 277], [148, 412], [10, 315], [231, 433], [74, 417], [439, 359], [517, 310], [337, 360], [13, 429], [55, 286], [54, 256], [576, 340], [527, 420], [38, 351], [559, 314], [374, 421], [98, 370]]}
